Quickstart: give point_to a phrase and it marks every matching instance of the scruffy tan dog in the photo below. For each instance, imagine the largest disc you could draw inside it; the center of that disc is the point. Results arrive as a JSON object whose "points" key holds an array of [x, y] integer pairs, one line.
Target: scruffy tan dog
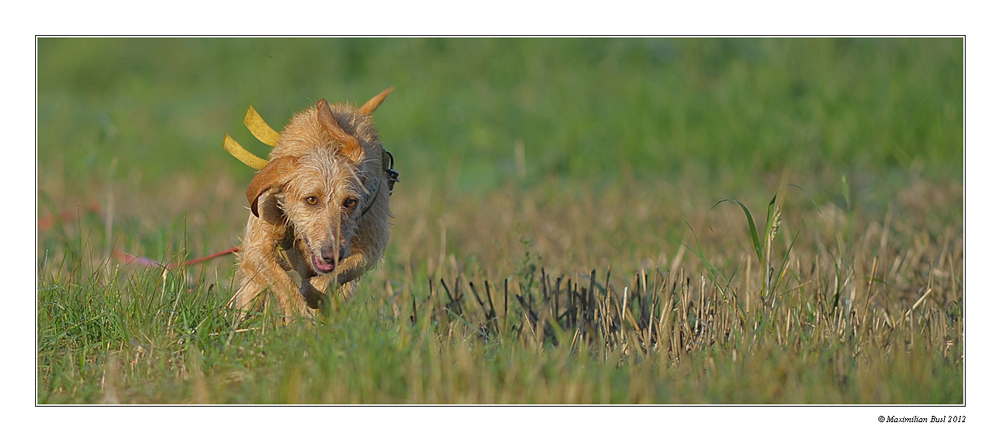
{"points": [[319, 207]]}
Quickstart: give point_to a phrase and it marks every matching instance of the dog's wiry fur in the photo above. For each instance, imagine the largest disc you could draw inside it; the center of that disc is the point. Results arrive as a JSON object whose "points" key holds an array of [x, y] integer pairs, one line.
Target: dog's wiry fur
{"points": [[307, 206]]}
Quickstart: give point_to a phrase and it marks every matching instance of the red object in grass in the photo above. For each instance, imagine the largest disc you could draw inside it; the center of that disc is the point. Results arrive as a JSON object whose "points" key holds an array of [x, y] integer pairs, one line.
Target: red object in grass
{"points": [[129, 259]]}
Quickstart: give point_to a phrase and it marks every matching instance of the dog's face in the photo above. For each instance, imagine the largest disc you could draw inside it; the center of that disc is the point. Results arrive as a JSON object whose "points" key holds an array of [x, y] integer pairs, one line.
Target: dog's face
{"points": [[321, 186], [323, 203]]}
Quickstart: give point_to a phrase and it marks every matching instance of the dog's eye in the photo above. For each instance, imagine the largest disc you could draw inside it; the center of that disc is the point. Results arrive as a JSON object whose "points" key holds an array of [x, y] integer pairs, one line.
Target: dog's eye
{"points": [[350, 202], [312, 200]]}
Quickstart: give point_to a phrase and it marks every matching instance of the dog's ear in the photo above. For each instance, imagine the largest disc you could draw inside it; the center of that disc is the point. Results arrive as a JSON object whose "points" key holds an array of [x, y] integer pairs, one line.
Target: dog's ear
{"points": [[273, 174], [352, 149], [373, 103]]}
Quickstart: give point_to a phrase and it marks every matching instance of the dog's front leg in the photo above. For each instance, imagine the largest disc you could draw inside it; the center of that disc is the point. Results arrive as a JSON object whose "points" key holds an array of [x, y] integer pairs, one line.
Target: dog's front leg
{"points": [[351, 268], [313, 290], [261, 268], [268, 274], [314, 287]]}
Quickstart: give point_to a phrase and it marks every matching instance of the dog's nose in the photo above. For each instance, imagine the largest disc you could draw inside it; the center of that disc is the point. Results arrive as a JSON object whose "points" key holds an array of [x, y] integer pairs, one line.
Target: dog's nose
{"points": [[329, 254]]}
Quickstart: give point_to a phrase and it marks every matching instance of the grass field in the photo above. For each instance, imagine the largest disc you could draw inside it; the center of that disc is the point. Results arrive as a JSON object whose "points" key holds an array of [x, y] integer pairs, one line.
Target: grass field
{"points": [[558, 233]]}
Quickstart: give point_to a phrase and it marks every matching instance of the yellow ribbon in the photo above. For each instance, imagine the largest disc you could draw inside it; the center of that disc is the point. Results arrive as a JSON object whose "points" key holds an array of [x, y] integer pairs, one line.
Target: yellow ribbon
{"points": [[259, 128], [261, 131], [234, 148]]}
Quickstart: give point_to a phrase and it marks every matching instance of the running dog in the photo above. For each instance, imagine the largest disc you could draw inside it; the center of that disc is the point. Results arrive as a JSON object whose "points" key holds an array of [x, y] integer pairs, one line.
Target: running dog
{"points": [[319, 208]]}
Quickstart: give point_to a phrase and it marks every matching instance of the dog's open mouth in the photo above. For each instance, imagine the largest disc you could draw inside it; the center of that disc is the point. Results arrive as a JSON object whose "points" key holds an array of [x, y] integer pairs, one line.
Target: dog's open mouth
{"points": [[321, 265]]}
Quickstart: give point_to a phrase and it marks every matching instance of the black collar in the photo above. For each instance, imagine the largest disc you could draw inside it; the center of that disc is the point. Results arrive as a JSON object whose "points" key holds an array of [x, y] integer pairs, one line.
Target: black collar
{"points": [[388, 162]]}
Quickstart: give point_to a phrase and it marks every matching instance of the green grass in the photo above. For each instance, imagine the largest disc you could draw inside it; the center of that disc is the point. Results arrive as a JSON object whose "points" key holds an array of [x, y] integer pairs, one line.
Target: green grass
{"points": [[623, 283]]}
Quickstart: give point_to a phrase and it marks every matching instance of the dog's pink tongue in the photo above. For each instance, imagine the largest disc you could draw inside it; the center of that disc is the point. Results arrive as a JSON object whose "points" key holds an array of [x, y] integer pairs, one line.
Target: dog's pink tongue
{"points": [[322, 266]]}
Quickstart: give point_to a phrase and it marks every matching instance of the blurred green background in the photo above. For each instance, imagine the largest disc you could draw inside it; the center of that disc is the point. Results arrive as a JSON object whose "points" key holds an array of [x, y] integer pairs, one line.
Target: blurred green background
{"points": [[719, 111]]}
